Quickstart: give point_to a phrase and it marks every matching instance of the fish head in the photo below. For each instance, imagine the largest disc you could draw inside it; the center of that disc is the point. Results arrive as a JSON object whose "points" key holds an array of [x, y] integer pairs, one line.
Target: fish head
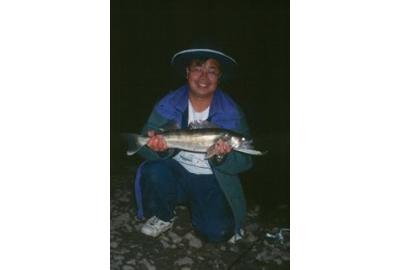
{"points": [[245, 143], [236, 141]]}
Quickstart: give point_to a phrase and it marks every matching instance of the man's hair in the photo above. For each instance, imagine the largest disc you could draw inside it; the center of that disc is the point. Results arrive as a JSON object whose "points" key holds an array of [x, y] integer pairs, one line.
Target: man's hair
{"points": [[200, 61]]}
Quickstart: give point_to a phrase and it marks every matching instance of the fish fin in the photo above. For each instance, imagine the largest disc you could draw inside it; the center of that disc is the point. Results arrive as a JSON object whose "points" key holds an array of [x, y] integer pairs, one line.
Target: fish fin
{"points": [[248, 144], [251, 151], [134, 142], [170, 125], [198, 124], [211, 151]]}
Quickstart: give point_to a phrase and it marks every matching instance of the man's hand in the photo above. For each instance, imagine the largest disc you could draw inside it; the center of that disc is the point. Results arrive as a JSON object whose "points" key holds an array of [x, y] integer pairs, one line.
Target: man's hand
{"points": [[156, 142], [222, 148]]}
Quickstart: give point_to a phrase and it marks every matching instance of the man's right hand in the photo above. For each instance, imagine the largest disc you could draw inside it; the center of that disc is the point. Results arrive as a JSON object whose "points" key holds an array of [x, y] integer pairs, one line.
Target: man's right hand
{"points": [[156, 142]]}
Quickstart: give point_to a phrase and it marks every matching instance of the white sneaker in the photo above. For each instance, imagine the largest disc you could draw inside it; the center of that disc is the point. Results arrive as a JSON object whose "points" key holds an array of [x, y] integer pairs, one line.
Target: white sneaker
{"points": [[155, 226], [236, 237]]}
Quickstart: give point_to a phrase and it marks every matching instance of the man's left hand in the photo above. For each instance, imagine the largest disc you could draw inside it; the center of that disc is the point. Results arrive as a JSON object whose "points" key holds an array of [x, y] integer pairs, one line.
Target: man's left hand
{"points": [[222, 147]]}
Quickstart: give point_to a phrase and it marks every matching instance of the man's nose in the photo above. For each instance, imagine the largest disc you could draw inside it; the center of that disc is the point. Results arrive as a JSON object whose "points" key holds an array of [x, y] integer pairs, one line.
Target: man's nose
{"points": [[204, 73]]}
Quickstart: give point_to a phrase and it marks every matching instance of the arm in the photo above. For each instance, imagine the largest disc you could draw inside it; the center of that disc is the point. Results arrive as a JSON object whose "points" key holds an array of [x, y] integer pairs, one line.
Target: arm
{"points": [[154, 123], [234, 162]]}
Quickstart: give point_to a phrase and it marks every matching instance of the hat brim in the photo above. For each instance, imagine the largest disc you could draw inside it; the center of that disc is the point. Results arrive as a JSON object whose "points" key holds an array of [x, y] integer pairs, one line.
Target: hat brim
{"points": [[181, 59]]}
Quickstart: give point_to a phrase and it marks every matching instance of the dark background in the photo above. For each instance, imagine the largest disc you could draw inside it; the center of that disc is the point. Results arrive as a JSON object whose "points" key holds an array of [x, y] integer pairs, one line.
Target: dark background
{"points": [[145, 35]]}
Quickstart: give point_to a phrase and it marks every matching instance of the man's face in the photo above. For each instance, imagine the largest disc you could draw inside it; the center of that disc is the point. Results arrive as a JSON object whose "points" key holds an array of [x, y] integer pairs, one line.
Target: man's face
{"points": [[203, 77]]}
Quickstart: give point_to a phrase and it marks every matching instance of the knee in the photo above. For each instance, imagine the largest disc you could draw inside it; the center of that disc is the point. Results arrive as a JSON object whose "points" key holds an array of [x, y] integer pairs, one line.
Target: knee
{"points": [[152, 168], [152, 165]]}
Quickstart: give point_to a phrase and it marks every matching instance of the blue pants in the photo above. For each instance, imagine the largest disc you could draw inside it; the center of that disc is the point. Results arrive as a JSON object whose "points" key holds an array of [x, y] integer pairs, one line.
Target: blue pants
{"points": [[165, 184]]}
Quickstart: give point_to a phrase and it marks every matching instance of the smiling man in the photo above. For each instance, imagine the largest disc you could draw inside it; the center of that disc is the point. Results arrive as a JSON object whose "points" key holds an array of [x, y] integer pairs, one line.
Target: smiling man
{"points": [[209, 187], [203, 77]]}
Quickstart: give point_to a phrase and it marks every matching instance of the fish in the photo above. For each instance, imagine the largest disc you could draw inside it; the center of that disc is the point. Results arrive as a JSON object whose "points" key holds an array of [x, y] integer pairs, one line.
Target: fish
{"points": [[200, 137]]}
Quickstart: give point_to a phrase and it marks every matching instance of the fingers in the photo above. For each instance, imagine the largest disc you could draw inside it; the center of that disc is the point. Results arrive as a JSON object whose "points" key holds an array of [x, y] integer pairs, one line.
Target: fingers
{"points": [[222, 148], [156, 141]]}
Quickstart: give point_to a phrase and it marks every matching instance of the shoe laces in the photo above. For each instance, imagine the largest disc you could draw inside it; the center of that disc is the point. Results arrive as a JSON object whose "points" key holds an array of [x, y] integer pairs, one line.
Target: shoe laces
{"points": [[154, 220]]}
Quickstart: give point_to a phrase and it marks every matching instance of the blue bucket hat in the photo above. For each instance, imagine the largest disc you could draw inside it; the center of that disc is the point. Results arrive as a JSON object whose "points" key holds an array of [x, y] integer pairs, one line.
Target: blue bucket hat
{"points": [[181, 59]]}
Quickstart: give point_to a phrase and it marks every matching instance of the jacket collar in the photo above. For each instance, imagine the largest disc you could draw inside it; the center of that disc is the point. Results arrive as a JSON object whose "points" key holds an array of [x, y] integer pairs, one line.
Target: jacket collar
{"points": [[216, 103], [182, 100]]}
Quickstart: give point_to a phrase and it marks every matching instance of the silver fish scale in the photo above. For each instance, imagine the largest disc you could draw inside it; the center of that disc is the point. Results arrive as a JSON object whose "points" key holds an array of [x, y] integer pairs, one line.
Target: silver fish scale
{"points": [[196, 142]]}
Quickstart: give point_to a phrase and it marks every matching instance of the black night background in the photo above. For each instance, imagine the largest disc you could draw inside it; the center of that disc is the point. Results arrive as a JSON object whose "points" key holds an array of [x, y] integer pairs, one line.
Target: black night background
{"points": [[145, 35], [318, 82]]}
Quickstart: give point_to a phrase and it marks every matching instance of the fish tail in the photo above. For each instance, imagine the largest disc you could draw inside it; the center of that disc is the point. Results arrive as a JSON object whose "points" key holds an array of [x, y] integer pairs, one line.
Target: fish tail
{"points": [[135, 142]]}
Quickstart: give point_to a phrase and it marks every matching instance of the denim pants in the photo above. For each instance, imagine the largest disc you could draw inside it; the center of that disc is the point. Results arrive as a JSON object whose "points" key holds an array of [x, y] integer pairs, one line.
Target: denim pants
{"points": [[165, 184]]}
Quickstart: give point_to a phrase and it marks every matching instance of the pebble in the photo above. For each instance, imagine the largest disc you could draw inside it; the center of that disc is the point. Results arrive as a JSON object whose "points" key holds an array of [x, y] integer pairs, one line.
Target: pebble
{"points": [[127, 267], [120, 220], [132, 262], [275, 251], [164, 243], [193, 240], [114, 244], [251, 237], [176, 239], [268, 244], [128, 228], [147, 264], [263, 256], [196, 243], [285, 257], [234, 249], [183, 261], [124, 251], [124, 199], [138, 227], [163, 237]]}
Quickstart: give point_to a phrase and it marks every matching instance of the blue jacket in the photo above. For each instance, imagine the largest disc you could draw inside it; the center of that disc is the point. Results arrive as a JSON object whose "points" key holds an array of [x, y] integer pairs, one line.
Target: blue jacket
{"points": [[224, 113]]}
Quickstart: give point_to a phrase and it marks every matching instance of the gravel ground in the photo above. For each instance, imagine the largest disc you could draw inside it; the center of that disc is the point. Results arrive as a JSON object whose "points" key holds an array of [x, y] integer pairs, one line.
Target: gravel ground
{"points": [[264, 245]]}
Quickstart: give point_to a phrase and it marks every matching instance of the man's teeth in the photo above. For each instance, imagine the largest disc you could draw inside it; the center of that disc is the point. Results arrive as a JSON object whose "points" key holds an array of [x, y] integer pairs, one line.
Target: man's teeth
{"points": [[203, 85]]}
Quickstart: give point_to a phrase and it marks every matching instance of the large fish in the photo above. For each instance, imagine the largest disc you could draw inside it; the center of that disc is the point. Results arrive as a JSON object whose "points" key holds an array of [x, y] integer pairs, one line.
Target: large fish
{"points": [[200, 136]]}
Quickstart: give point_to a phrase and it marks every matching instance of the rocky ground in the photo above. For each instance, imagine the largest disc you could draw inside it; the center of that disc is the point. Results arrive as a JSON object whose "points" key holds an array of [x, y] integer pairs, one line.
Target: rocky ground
{"points": [[264, 246]]}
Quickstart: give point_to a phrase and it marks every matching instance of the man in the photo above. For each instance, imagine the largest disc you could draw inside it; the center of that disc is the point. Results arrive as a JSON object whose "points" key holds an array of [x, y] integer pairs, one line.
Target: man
{"points": [[209, 187]]}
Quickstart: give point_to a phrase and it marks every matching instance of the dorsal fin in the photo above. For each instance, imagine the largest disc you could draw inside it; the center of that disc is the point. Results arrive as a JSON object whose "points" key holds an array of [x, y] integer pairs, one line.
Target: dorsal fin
{"points": [[198, 124], [170, 125]]}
